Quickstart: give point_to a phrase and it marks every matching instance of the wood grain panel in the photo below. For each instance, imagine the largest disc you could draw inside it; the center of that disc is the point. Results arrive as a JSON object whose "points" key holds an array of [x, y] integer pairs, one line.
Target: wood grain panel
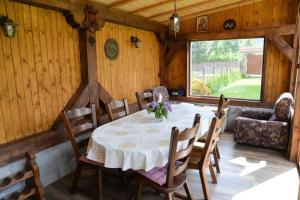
{"points": [[135, 69], [39, 70], [266, 13]]}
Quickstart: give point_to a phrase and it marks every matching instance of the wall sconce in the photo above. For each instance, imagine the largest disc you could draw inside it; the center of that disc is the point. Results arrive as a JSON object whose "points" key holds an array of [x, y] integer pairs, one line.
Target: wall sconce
{"points": [[135, 41], [8, 25]]}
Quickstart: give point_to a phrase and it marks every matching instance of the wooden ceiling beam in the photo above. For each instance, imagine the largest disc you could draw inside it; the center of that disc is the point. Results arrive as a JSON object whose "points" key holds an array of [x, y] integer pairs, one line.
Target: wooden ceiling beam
{"points": [[217, 9], [162, 3], [119, 3], [170, 12], [246, 33], [108, 14]]}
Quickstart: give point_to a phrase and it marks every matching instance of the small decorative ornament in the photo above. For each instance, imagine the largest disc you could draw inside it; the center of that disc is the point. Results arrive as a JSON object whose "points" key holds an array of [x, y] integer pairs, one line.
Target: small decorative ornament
{"points": [[8, 25], [160, 108], [229, 24], [90, 21], [175, 21], [111, 49]]}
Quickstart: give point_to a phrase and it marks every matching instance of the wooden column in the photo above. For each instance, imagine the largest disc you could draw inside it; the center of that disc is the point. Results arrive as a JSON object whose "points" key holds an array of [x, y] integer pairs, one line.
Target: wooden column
{"points": [[88, 58], [295, 88]]}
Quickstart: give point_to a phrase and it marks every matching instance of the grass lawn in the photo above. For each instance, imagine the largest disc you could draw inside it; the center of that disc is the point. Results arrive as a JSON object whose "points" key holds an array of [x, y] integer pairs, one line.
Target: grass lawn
{"points": [[248, 88]]}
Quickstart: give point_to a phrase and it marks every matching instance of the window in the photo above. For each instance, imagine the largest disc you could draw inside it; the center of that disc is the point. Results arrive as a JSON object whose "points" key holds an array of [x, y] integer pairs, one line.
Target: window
{"points": [[230, 67]]}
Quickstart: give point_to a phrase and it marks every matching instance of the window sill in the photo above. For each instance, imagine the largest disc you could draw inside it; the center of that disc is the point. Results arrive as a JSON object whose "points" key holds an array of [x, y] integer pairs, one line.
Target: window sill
{"points": [[215, 100]]}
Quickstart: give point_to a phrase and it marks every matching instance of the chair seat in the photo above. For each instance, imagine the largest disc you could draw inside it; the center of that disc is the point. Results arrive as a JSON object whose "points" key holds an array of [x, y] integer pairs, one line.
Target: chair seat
{"points": [[91, 162], [157, 175]]}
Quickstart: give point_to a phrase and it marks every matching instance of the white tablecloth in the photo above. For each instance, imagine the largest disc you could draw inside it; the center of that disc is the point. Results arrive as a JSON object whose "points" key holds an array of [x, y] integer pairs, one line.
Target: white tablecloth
{"points": [[139, 141]]}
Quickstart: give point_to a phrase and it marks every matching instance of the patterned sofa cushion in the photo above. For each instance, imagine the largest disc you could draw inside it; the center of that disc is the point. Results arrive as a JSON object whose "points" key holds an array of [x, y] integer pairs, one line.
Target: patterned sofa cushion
{"points": [[283, 107]]}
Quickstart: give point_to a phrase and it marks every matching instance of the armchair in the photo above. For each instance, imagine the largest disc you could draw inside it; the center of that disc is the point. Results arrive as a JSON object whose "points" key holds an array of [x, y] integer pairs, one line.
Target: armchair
{"points": [[264, 127]]}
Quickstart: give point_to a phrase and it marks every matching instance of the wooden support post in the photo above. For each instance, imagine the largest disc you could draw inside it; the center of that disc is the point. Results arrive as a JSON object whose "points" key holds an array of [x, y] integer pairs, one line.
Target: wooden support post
{"points": [[88, 59], [295, 88]]}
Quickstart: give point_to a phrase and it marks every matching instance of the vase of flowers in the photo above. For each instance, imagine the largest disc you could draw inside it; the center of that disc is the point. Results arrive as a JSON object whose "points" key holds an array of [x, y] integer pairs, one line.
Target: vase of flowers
{"points": [[160, 108]]}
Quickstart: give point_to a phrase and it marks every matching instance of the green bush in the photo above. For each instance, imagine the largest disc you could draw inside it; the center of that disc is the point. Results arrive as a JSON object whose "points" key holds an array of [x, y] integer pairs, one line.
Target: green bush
{"points": [[220, 81], [200, 88]]}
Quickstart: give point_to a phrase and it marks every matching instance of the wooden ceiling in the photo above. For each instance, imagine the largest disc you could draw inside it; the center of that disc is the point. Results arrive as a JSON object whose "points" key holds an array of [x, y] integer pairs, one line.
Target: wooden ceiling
{"points": [[161, 10]]}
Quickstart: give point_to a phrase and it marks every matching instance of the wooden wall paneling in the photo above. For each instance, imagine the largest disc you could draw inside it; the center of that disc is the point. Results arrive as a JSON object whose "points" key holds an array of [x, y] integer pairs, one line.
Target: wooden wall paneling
{"points": [[39, 68], [24, 63], [28, 28], [17, 69], [50, 61], [4, 99], [12, 93], [56, 63], [135, 69], [45, 89]]}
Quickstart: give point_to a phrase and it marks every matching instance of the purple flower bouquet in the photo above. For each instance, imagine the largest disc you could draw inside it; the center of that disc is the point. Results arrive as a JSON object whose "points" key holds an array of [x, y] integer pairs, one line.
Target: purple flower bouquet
{"points": [[160, 109]]}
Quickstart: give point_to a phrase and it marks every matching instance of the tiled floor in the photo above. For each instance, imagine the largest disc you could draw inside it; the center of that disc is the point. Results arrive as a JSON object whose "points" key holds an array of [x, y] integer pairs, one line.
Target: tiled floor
{"points": [[247, 173]]}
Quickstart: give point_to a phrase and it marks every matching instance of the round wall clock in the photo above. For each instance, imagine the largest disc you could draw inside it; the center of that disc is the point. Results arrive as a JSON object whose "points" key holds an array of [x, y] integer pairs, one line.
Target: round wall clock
{"points": [[229, 24], [111, 49]]}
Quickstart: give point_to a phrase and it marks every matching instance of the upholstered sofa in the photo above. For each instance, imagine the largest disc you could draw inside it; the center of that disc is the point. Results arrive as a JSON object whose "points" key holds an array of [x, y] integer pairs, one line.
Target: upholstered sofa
{"points": [[266, 127]]}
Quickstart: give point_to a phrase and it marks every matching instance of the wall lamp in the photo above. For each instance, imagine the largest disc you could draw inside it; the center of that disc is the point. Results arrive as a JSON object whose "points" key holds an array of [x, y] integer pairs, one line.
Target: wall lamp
{"points": [[8, 25], [135, 41]]}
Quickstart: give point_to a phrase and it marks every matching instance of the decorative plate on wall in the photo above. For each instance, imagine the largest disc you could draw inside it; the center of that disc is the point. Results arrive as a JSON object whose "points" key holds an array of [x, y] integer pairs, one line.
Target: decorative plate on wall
{"points": [[111, 49], [229, 24]]}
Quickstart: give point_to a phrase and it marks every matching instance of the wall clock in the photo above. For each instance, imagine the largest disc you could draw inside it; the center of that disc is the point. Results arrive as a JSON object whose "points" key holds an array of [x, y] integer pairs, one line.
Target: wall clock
{"points": [[111, 49]]}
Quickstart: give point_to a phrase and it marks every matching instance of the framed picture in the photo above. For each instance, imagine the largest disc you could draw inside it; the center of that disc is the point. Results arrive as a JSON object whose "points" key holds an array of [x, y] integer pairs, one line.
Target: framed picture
{"points": [[202, 24]]}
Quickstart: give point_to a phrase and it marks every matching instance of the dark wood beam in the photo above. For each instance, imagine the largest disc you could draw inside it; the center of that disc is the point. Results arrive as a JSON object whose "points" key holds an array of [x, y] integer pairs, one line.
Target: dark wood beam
{"points": [[253, 32], [173, 51], [282, 45], [105, 13]]}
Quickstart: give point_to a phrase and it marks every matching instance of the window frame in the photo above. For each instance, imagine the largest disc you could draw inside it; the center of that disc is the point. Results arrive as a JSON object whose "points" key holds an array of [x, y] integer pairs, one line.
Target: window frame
{"points": [[210, 99]]}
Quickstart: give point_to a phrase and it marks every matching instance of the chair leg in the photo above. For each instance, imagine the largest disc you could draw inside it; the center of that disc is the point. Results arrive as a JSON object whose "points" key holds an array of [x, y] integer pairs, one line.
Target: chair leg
{"points": [[139, 191], [100, 184], [169, 196], [204, 184], [76, 178], [212, 173], [215, 154], [218, 152], [187, 191]]}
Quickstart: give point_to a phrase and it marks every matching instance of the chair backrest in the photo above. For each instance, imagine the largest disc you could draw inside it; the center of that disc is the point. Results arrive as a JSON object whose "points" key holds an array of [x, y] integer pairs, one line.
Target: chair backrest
{"points": [[212, 138], [78, 122], [144, 99], [223, 104], [178, 161], [117, 109]]}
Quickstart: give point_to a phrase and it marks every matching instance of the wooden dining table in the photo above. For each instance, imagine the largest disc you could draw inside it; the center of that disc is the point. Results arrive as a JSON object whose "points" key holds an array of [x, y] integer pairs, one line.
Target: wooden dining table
{"points": [[139, 141]]}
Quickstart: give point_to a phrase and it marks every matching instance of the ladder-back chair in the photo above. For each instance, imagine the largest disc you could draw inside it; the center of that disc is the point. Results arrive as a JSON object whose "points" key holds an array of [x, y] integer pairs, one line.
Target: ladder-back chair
{"points": [[117, 109], [79, 122], [201, 157], [144, 99], [170, 178]]}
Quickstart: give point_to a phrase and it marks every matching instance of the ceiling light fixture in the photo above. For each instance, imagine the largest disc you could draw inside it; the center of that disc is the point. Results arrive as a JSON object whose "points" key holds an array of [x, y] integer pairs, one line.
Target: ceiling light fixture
{"points": [[175, 21]]}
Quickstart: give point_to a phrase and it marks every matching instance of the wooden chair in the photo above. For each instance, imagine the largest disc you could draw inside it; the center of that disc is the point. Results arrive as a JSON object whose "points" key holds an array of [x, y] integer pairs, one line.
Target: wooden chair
{"points": [[173, 176], [144, 99], [201, 156], [117, 109], [31, 176], [79, 122], [222, 107]]}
